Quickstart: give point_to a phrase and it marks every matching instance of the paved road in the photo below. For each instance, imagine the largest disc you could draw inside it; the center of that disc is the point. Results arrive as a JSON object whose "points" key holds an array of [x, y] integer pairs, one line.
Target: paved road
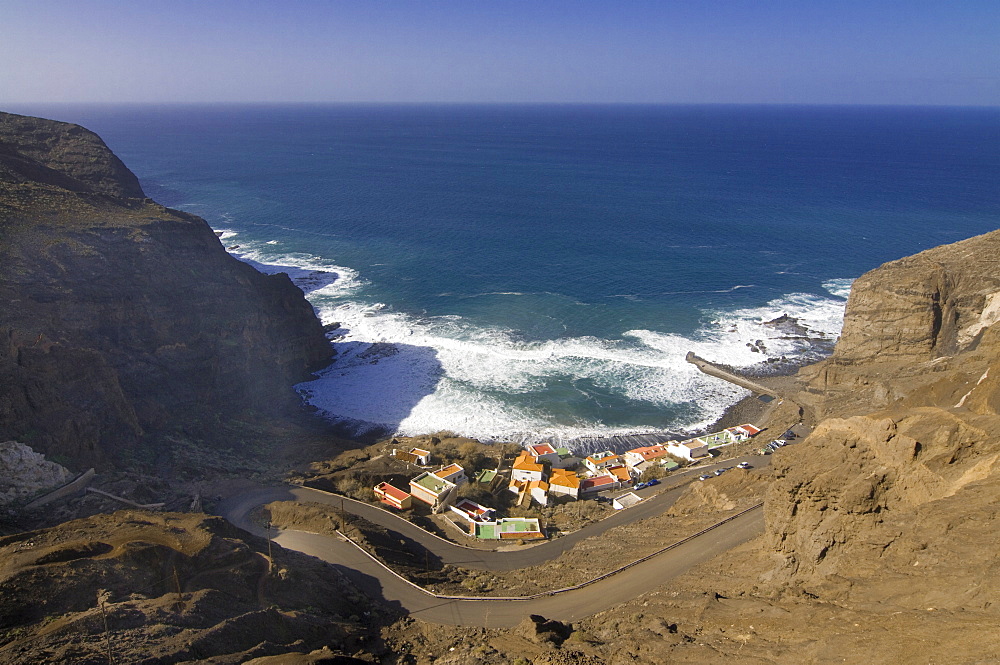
{"points": [[574, 605], [655, 502], [379, 582]]}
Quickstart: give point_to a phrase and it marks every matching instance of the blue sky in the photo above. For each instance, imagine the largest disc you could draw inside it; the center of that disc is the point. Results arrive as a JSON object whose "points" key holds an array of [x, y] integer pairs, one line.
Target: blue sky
{"points": [[665, 51]]}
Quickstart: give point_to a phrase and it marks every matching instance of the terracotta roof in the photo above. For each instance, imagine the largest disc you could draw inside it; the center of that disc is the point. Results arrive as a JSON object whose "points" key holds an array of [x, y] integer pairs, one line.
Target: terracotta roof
{"points": [[564, 478], [602, 457], [449, 470], [650, 452], [620, 472], [525, 462], [394, 492], [542, 449], [597, 481]]}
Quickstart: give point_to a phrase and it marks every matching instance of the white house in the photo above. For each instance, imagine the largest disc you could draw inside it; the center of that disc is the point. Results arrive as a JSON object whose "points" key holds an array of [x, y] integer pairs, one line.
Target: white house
{"points": [[544, 453], [452, 473], [564, 482], [431, 489], [689, 450], [636, 456], [526, 469], [597, 462], [539, 490]]}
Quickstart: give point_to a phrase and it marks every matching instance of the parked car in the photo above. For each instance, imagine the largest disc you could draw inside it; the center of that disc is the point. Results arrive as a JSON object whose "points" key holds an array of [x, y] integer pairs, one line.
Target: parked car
{"points": [[652, 482], [789, 434], [719, 472], [640, 486], [780, 442], [704, 477], [744, 465]]}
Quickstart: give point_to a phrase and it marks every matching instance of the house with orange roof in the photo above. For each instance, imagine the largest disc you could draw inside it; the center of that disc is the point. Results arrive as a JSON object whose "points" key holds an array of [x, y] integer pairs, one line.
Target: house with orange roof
{"points": [[453, 473], [637, 456], [564, 482], [417, 456], [526, 468], [539, 492], [621, 473], [597, 462], [393, 496]]}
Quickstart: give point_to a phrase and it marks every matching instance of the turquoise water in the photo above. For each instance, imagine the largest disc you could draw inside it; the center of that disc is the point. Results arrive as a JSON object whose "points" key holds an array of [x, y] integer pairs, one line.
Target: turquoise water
{"points": [[527, 271]]}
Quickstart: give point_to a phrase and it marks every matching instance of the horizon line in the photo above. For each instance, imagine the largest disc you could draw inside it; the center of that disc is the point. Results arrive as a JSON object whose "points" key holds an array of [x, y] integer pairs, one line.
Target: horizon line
{"points": [[495, 103]]}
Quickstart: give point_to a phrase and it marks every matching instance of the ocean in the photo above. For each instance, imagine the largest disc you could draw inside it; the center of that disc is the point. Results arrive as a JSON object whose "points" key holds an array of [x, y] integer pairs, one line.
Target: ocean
{"points": [[522, 273]]}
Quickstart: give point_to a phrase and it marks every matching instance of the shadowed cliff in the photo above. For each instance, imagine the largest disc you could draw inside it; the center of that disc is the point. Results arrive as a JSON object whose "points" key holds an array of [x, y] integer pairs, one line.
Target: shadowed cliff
{"points": [[124, 320]]}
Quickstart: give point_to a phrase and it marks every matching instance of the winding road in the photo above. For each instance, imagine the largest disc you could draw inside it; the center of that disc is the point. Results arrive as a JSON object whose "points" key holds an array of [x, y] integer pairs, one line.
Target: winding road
{"points": [[379, 582]]}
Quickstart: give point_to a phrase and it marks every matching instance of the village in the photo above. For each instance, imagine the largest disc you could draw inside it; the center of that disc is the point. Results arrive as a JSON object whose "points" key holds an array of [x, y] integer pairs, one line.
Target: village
{"points": [[541, 475]]}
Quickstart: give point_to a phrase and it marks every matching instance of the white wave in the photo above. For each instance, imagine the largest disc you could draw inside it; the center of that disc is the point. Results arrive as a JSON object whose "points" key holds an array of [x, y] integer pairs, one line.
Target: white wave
{"points": [[314, 275], [417, 375], [839, 287], [420, 375]]}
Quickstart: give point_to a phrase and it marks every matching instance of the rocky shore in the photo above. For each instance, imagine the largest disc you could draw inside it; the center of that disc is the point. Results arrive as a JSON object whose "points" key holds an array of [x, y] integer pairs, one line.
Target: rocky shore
{"points": [[133, 342]]}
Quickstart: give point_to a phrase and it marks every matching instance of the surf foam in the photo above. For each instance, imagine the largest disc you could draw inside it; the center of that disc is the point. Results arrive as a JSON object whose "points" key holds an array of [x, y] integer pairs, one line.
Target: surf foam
{"points": [[408, 375]]}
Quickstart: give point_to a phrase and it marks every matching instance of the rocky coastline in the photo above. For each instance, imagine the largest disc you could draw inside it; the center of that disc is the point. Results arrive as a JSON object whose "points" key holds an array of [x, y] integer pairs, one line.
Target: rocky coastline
{"points": [[134, 343]]}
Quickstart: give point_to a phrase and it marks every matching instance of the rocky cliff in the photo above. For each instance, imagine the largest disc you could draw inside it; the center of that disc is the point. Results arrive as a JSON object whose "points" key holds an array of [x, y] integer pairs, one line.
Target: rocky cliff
{"points": [[893, 500], [124, 320]]}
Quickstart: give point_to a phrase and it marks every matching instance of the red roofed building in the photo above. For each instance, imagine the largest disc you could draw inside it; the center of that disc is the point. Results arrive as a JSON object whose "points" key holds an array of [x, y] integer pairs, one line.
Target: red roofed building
{"points": [[544, 452], [598, 484], [743, 432], [393, 496]]}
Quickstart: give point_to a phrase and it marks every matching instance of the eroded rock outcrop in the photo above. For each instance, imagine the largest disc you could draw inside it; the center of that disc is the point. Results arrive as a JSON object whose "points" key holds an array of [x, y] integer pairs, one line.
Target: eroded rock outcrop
{"points": [[904, 321], [123, 318], [896, 500]]}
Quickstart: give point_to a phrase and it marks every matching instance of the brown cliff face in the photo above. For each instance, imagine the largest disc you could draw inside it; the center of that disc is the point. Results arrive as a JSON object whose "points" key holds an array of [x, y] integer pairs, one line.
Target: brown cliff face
{"points": [[904, 321], [893, 500], [123, 318]]}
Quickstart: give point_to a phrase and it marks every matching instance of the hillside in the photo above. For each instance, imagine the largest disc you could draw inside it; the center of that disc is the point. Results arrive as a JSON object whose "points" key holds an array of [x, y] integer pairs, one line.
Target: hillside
{"points": [[880, 544], [127, 323]]}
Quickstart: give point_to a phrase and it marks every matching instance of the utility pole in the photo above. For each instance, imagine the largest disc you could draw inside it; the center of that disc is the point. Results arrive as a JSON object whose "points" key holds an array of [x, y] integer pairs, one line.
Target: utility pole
{"points": [[177, 588], [102, 595]]}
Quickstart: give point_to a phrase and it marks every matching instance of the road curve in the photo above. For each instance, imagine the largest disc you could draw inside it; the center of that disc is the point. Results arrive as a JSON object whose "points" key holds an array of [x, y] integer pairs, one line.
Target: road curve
{"points": [[379, 582]]}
